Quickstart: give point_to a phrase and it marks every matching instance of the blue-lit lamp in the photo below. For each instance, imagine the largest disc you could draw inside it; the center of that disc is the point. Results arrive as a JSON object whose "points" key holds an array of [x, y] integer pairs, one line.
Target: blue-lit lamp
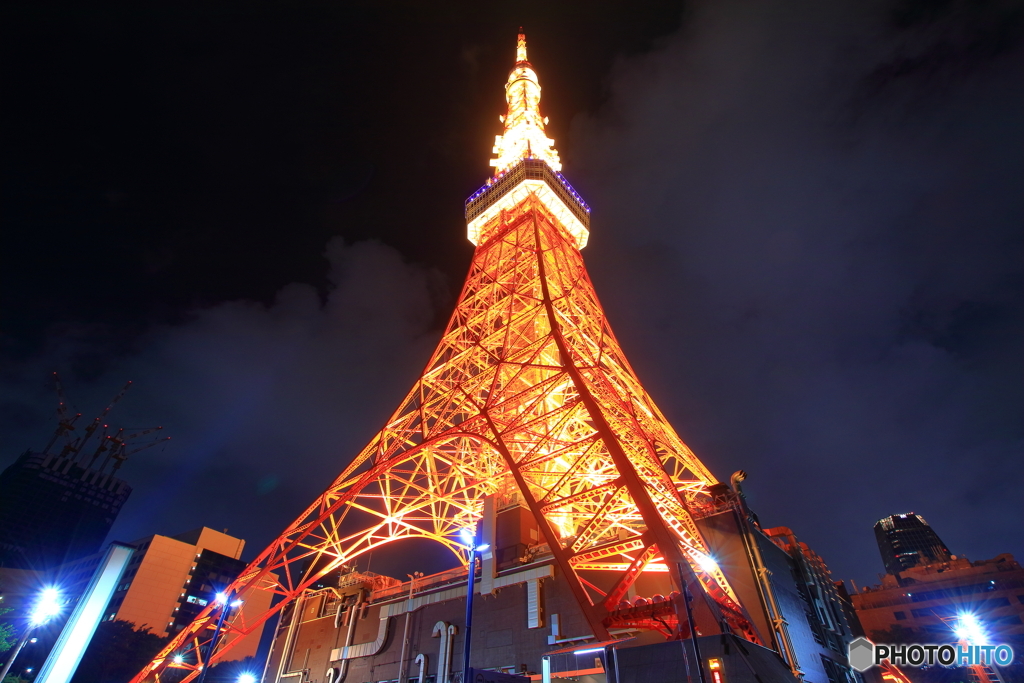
{"points": [[227, 602], [468, 540], [468, 537], [970, 629], [47, 605]]}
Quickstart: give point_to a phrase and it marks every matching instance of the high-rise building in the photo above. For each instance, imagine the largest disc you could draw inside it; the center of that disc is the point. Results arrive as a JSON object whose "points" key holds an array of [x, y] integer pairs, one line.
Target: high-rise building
{"points": [[55, 509], [170, 579], [58, 505], [907, 541], [529, 405]]}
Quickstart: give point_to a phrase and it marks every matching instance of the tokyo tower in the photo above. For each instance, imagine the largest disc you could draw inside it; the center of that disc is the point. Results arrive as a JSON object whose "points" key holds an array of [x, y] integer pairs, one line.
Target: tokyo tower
{"points": [[528, 394]]}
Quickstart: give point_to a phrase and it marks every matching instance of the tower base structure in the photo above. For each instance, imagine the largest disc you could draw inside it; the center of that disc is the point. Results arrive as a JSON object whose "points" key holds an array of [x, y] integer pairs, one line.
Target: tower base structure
{"points": [[369, 628]]}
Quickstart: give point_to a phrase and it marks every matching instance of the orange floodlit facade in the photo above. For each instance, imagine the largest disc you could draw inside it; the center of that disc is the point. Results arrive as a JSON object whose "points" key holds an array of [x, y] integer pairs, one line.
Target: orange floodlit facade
{"points": [[527, 393]]}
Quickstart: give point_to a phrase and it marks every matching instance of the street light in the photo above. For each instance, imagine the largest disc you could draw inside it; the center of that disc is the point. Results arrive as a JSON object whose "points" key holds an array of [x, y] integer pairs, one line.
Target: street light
{"points": [[246, 677], [46, 607], [227, 603], [970, 629], [468, 537]]}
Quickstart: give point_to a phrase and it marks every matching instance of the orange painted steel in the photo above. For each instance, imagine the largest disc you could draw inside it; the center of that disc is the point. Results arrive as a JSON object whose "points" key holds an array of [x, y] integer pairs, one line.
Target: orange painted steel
{"points": [[528, 392], [892, 673]]}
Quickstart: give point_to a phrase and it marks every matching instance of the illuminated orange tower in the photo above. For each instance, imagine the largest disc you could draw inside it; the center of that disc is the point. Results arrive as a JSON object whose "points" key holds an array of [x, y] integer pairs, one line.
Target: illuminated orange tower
{"points": [[529, 393]]}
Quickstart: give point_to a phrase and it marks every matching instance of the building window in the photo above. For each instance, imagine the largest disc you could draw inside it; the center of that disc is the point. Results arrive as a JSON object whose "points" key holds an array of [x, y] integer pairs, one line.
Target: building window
{"points": [[900, 616], [830, 670]]}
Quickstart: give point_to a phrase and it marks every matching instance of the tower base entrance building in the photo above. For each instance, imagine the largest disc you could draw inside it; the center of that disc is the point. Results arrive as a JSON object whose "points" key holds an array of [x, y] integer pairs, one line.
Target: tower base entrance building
{"points": [[363, 627]]}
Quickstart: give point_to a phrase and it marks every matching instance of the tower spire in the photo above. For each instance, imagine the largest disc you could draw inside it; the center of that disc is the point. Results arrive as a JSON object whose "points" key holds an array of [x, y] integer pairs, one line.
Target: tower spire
{"points": [[524, 136]]}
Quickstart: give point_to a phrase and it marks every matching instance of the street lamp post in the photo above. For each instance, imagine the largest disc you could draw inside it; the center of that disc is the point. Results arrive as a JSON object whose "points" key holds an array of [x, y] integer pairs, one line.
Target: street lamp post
{"points": [[405, 635], [469, 537], [226, 602], [47, 606]]}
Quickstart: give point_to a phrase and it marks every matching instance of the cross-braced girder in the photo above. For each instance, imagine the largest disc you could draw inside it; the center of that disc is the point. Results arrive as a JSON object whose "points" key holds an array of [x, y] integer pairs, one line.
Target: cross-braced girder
{"points": [[527, 391]]}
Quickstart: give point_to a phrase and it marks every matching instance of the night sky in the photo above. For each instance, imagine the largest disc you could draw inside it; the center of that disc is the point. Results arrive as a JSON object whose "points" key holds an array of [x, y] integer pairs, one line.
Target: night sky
{"points": [[808, 231]]}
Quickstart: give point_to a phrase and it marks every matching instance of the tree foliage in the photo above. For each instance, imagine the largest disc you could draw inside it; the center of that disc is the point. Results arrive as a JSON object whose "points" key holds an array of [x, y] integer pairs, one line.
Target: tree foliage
{"points": [[117, 652], [8, 636]]}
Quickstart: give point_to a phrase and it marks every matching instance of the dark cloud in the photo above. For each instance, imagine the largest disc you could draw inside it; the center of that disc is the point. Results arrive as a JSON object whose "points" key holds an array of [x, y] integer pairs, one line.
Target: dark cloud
{"points": [[265, 403], [808, 233]]}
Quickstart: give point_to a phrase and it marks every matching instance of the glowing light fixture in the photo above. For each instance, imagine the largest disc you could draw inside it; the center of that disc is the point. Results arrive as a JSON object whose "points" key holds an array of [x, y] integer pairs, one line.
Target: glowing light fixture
{"points": [[706, 562], [715, 665], [524, 136], [47, 607], [466, 536], [969, 628], [60, 666], [246, 677]]}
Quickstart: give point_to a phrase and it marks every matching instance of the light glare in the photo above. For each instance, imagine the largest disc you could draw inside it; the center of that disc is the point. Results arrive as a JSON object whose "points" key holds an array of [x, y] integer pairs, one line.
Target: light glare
{"points": [[970, 629], [707, 563], [46, 607]]}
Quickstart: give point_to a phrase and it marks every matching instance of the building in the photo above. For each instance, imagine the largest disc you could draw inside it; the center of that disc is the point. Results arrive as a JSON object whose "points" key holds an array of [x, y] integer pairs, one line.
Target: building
{"points": [[171, 578], [56, 509], [369, 628], [922, 603], [784, 585], [906, 541], [58, 505]]}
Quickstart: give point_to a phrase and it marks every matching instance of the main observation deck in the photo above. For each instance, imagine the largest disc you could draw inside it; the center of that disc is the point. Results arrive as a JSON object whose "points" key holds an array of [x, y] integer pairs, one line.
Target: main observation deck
{"points": [[534, 176]]}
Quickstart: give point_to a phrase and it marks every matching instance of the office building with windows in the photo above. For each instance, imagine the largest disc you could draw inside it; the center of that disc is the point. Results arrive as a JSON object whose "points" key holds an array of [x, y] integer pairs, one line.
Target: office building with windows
{"points": [[171, 579], [55, 510], [925, 601], [907, 541]]}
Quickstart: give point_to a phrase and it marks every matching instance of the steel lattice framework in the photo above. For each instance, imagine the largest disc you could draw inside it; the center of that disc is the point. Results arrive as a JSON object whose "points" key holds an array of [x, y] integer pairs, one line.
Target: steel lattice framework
{"points": [[529, 392]]}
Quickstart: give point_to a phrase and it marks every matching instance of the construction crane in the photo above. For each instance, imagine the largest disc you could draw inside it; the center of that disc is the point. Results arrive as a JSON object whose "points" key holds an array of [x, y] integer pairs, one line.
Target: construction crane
{"points": [[115, 447]]}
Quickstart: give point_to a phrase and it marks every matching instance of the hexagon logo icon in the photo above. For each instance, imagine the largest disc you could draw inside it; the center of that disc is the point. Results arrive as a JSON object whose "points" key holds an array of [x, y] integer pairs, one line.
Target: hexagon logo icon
{"points": [[861, 654]]}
